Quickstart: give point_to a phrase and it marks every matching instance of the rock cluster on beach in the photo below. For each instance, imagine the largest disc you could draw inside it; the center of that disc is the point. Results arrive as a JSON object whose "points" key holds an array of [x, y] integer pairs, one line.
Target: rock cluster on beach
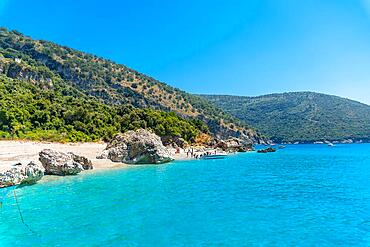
{"points": [[137, 147], [21, 174], [174, 141], [133, 147], [233, 145], [61, 164], [52, 163]]}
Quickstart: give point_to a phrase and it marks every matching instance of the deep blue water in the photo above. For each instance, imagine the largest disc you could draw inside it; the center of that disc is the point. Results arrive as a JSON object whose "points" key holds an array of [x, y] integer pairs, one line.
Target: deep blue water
{"points": [[305, 195]]}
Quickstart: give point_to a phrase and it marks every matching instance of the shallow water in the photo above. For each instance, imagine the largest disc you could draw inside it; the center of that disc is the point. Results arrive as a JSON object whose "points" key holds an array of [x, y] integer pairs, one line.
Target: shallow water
{"points": [[306, 195]]}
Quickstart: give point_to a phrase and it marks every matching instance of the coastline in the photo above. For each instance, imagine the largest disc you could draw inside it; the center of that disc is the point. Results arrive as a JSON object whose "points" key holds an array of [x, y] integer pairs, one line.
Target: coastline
{"points": [[14, 152], [20, 151], [24, 151]]}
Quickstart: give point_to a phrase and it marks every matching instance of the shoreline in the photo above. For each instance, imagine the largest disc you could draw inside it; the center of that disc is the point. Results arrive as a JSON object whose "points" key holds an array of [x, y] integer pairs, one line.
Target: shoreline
{"points": [[24, 151], [13, 152]]}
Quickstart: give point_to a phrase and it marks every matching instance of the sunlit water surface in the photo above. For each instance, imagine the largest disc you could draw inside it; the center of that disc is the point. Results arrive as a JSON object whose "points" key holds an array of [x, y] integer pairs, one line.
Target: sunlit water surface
{"points": [[306, 195]]}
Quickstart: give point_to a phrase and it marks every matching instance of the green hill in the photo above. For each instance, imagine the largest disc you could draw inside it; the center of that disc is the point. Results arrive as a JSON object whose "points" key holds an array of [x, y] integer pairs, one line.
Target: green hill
{"points": [[67, 72], [300, 116], [30, 112]]}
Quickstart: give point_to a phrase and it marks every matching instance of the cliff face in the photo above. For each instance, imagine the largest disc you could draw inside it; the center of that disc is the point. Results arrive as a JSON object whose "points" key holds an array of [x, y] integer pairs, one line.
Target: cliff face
{"points": [[49, 65]]}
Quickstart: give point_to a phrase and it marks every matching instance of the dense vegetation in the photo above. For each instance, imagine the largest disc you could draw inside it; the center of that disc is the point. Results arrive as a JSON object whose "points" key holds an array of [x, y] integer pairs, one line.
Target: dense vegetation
{"points": [[301, 116], [51, 66], [29, 112]]}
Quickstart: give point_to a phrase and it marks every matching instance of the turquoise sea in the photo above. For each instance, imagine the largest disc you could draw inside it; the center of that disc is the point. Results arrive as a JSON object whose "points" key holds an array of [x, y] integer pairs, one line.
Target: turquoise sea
{"points": [[303, 195]]}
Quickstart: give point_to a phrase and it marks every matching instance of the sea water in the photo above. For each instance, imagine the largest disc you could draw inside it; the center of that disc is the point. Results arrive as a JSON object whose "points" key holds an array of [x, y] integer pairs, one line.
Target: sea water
{"points": [[303, 195]]}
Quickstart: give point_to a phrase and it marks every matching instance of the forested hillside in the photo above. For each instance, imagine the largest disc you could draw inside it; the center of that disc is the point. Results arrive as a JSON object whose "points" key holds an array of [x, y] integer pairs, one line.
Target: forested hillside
{"points": [[300, 116], [72, 73], [29, 112]]}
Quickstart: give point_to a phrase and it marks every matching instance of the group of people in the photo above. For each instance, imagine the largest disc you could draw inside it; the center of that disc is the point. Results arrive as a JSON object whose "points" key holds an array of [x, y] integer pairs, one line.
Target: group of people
{"points": [[192, 154]]}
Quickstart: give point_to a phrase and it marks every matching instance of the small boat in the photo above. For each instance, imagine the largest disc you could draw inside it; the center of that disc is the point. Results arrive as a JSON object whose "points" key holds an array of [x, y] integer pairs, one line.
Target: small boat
{"points": [[281, 147], [213, 156], [330, 144]]}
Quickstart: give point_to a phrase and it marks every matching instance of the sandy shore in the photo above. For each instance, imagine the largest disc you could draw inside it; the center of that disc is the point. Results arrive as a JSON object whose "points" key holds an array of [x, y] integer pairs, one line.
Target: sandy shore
{"points": [[12, 152]]}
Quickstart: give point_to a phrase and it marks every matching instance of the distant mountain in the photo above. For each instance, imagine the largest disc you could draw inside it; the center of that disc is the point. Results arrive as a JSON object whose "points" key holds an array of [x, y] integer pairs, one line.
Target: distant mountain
{"points": [[300, 116], [68, 72]]}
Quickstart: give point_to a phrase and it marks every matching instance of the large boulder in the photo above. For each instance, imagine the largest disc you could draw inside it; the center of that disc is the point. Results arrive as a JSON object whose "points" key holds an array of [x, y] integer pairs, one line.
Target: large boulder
{"points": [[21, 174], [137, 147], [234, 145], [62, 164], [12, 176], [85, 162], [229, 144], [33, 172]]}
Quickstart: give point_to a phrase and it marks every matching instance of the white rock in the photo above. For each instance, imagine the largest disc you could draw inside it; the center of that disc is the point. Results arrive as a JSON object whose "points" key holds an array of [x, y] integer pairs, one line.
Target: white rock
{"points": [[137, 147], [62, 164], [21, 174]]}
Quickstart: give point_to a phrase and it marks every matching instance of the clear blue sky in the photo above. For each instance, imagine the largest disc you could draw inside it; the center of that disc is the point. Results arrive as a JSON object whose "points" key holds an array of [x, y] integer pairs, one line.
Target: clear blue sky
{"points": [[226, 47]]}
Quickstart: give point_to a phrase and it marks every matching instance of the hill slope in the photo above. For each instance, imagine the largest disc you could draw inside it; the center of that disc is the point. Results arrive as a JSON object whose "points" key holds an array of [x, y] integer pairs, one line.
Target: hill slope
{"points": [[30, 112], [54, 67], [300, 116]]}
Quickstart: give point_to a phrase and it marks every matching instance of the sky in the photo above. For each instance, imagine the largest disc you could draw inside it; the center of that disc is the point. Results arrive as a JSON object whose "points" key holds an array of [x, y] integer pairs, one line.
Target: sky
{"points": [[238, 47]]}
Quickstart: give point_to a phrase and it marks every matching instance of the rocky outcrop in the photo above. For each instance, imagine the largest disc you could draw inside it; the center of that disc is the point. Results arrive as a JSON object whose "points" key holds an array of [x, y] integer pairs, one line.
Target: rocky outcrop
{"points": [[62, 164], [223, 132], [137, 147], [53, 163], [267, 150], [33, 172], [21, 174], [234, 145], [10, 177], [18, 70], [85, 162], [174, 141]]}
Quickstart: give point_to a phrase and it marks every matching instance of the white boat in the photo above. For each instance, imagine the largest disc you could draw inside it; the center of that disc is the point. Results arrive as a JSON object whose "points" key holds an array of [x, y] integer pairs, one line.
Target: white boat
{"points": [[213, 156], [330, 144]]}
